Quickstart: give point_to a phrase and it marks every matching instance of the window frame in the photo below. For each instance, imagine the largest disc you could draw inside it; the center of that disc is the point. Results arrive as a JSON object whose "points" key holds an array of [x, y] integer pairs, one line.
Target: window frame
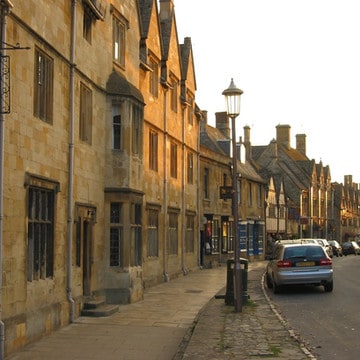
{"points": [[43, 86], [116, 127], [154, 76], [173, 231], [153, 233], [116, 240], [153, 150], [190, 110], [190, 234], [87, 25], [41, 225], [173, 160], [190, 167], [85, 114], [174, 93], [206, 183], [136, 234], [136, 129], [119, 40]]}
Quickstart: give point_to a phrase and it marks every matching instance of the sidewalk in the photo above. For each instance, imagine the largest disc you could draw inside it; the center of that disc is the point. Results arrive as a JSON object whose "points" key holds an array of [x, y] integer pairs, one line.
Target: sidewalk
{"points": [[257, 332], [177, 320]]}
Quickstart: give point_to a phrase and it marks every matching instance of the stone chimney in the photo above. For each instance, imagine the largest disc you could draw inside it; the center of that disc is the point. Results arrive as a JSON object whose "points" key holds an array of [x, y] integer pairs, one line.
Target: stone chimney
{"points": [[247, 134], [204, 120], [222, 123], [348, 180], [283, 135], [166, 9], [247, 143], [273, 147], [301, 143]]}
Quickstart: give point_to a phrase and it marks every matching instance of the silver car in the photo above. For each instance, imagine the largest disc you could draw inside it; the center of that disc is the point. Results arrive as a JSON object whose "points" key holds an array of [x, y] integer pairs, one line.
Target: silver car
{"points": [[299, 264]]}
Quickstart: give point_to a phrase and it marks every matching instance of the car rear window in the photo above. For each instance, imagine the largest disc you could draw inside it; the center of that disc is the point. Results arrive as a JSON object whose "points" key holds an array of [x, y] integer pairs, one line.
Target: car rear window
{"points": [[304, 252]]}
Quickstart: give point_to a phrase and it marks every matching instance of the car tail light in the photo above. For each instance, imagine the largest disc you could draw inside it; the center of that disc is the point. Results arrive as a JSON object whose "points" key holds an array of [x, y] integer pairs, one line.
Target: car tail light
{"points": [[325, 262], [284, 263]]}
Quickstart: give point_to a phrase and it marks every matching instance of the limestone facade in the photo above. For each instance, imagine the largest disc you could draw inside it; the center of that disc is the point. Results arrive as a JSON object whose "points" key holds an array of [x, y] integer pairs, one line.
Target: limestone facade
{"points": [[100, 187]]}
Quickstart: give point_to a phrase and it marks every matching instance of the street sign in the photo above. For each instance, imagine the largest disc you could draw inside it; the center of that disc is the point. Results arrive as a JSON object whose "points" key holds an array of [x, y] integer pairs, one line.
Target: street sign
{"points": [[226, 192]]}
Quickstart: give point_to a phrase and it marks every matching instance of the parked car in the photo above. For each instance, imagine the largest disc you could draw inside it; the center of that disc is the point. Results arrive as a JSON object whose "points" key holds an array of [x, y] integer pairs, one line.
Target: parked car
{"points": [[299, 264], [350, 247], [326, 245], [337, 249], [323, 242]]}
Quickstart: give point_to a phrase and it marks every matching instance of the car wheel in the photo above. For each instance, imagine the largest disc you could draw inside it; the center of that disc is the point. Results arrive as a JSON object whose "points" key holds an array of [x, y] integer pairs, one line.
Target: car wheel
{"points": [[275, 287], [329, 286], [268, 281]]}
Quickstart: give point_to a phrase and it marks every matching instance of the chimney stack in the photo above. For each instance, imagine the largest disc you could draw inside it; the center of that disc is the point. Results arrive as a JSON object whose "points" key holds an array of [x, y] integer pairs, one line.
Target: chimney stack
{"points": [[301, 143], [247, 143], [222, 123], [283, 135], [166, 9]]}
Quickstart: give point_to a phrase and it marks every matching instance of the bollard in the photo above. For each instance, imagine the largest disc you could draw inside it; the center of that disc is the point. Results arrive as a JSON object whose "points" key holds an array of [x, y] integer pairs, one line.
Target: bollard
{"points": [[230, 292], [244, 274], [229, 295]]}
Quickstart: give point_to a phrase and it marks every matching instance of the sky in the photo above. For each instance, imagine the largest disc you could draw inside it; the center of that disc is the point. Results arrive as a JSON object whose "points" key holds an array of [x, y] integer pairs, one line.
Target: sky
{"points": [[297, 62]]}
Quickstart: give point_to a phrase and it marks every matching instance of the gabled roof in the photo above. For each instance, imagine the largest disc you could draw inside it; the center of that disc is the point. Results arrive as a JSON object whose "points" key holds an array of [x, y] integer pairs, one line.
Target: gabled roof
{"points": [[285, 164], [145, 10], [211, 139], [187, 59]]}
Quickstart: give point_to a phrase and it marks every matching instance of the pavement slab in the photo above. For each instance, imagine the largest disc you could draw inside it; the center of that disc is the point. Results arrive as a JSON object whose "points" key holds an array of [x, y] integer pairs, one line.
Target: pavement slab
{"points": [[179, 319]]}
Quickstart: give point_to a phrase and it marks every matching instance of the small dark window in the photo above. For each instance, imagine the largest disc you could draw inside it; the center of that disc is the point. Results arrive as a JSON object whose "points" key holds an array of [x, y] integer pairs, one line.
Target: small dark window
{"points": [[117, 132], [40, 233], [43, 89], [85, 114], [116, 234], [153, 150], [87, 24], [173, 160], [153, 233]]}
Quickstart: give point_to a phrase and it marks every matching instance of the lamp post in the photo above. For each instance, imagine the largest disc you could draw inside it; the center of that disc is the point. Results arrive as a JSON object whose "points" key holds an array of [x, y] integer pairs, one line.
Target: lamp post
{"points": [[232, 98]]}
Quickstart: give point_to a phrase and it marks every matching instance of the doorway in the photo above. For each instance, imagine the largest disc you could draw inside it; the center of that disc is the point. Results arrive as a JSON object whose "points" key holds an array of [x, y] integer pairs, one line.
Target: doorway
{"points": [[84, 245]]}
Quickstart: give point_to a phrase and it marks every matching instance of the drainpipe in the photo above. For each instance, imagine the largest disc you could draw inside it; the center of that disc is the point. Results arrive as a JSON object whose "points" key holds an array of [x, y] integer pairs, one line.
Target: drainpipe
{"points": [[165, 192], [5, 9], [200, 224], [71, 165], [183, 203]]}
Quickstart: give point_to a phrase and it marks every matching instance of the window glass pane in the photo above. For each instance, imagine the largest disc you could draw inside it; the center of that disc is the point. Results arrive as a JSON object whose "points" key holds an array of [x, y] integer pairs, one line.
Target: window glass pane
{"points": [[43, 88], [117, 132], [153, 236], [153, 151], [40, 233], [119, 41], [85, 114], [173, 234]]}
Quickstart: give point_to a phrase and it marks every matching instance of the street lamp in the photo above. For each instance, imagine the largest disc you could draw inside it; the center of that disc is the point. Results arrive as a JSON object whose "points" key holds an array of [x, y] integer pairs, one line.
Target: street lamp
{"points": [[232, 98]]}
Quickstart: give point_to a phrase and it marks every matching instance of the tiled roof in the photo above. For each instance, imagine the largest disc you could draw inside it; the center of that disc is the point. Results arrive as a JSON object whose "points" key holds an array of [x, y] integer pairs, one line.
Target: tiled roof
{"points": [[211, 137]]}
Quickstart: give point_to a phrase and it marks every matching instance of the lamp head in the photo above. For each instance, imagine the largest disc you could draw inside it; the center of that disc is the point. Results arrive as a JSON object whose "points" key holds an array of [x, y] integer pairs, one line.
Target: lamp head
{"points": [[232, 98]]}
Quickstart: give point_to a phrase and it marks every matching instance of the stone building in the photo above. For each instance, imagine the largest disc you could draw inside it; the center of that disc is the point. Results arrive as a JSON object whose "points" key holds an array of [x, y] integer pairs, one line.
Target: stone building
{"points": [[100, 158], [346, 210], [306, 185], [216, 209]]}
